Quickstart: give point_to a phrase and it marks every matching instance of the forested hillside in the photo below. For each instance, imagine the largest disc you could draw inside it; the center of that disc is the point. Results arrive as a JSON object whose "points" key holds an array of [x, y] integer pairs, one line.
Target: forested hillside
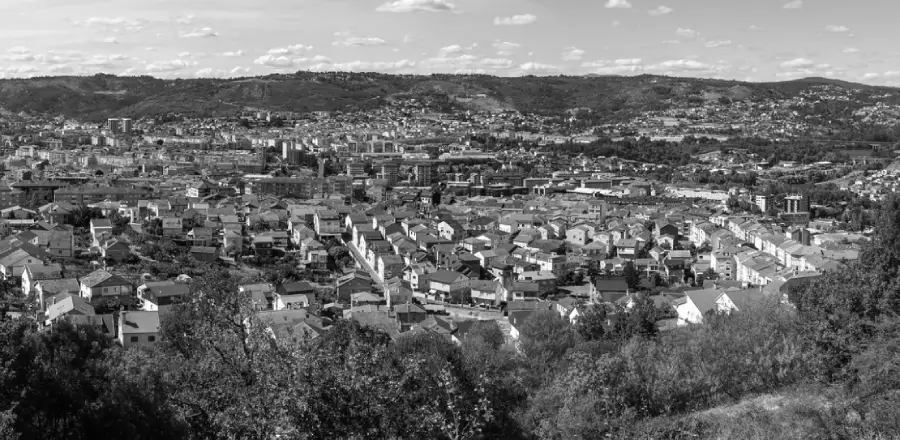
{"points": [[826, 367], [100, 96]]}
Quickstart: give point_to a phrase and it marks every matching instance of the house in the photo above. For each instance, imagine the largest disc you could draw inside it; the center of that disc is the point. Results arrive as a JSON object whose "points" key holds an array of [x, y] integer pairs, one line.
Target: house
{"points": [[390, 266], [449, 286], [61, 244], [451, 230], [409, 315], [201, 236], [262, 295], [327, 223], [516, 320], [608, 288], [171, 227], [232, 242], [626, 248], [13, 261], [205, 254], [115, 249], [159, 296], [138, 329], [695, 304], [99, 228], [44, 289], [67, 305], [36, 272], [288, 302], [102, 283], [353, 283], [545, 280], [578, 235], [485, 292]]}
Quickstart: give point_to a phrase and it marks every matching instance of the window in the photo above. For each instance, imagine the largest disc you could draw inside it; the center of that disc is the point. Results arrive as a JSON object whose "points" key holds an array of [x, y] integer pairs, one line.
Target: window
{"points": [[134, 339], [151, 338]]}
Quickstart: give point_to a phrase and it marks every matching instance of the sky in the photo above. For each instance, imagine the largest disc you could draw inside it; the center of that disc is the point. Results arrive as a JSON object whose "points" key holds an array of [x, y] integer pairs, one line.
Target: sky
{"points": [[756, 40]]}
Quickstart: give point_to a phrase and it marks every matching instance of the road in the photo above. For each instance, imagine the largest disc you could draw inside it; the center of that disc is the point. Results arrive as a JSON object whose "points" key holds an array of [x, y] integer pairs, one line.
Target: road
{"points": [[361, 262]]}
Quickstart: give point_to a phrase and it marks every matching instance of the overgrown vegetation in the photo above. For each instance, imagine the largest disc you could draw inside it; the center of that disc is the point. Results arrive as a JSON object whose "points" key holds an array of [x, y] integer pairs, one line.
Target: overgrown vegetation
{"points": [[826, 366]]}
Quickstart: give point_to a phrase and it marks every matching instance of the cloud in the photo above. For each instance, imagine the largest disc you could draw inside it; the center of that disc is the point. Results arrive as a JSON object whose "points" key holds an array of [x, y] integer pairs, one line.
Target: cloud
{"points": [[360, 42], [466, 63], [660, 10], [754, 27], [687, 66], [531, 68], [851, 50], [572, 54], [615, 67], [200, 33], [237, 71], [796, 4], [168, 66], [115, 24], [515, 20], [290, 50], [686, 33], [184, 54], [718, 43], [365, 66], [623, 4], [837, 28], [449, 50], [236, 53], [670, 42], [616, 23], [417, 6], [278, 61], [185, 19], [110, 40], [505, 48], [798, 63]]}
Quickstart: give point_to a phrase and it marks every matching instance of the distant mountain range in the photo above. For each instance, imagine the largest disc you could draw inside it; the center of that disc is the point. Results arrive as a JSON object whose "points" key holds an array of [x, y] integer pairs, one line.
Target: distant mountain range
{"points": [[100, 96]]}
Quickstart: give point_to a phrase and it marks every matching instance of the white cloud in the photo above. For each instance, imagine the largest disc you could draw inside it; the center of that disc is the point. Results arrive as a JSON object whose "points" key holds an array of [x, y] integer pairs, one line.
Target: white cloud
{"points": [[796, 4], [206, 32], [185, 19], [417, 6], [360, 42], [365, 66], [184, 54], [515, 20], [615, 67], [237, 71], [686, 33], [572, 54], [116, 24], [236, 53], [449, 50], [278, 61], [505, 48], [798, 63], [660, 10], [754, 27], [870, 75], [837, 28], [623, 4], [718, 43], [168, 66], [531, 68], [851, 50], [687, 66], [670, 42], [110, 40], [290, 50], [616, 23]]}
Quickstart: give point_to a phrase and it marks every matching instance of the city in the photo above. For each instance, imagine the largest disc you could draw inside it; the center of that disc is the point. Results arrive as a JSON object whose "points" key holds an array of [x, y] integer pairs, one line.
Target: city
{"points": [[449, 220]]}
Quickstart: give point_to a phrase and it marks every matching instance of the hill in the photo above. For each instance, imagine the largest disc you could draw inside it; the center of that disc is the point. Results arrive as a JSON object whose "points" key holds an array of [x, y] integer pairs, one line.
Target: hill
{"points": [[100, 96]]}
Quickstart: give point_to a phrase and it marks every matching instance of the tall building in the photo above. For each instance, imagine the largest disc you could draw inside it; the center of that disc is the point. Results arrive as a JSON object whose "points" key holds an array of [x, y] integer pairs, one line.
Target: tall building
{"points": [[422, 172], [389, 172], [119, 125], [356, 169], [763, 202], [796, 204]]}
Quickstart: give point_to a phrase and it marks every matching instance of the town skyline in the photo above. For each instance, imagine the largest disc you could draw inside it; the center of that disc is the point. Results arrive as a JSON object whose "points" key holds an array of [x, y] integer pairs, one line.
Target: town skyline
{"points": [[766, 41]]}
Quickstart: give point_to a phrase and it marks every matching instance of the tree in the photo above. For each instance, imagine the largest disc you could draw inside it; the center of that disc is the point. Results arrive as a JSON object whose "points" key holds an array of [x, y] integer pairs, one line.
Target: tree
{"points": [[632, 278]]}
